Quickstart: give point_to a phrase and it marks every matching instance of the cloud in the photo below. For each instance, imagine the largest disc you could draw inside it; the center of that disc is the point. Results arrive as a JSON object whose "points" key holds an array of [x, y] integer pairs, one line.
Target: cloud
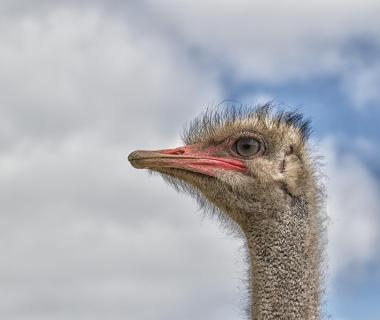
{"points": [[70, 72], [79, 238], [248, 41], [293, 41], [353, 206]]}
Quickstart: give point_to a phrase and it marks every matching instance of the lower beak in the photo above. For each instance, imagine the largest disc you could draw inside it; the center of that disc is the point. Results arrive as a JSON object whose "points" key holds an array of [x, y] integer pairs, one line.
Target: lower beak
{"points": [[187, 158]]}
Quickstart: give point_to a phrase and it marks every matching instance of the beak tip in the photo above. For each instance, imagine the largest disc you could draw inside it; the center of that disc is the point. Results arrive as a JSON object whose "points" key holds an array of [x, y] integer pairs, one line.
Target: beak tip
{"points": [[136, 159], [132, 156]]}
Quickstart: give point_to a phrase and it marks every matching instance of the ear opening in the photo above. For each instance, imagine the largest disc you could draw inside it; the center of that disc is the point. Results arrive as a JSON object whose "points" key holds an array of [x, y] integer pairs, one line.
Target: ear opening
{"points": [[293, 173]]}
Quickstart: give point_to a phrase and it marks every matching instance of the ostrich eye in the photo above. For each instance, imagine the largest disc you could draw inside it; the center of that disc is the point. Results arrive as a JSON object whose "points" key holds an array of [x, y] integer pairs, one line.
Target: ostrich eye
{"points": [[246, 147]]}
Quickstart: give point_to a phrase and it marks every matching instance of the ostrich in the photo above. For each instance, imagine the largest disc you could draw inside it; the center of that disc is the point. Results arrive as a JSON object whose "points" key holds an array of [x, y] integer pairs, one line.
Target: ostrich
{"points": [[253, 167]]}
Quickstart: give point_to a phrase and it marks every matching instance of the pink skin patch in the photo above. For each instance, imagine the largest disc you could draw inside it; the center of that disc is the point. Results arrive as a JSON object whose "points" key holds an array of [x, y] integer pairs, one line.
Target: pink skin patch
{"points": [[194, 159]]}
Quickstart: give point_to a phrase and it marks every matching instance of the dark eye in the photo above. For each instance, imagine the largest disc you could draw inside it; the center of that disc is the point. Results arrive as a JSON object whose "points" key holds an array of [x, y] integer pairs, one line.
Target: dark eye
{"points": [[246, 147]]}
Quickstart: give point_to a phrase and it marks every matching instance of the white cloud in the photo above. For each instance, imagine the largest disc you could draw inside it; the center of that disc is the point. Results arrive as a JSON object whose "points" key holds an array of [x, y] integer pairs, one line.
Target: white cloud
{"points": [[79, 238], [74, 71], [353, 207]]}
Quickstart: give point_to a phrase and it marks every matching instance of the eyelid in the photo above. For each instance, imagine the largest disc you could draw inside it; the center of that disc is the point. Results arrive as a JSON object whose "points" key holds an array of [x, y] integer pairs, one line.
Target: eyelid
{"points": [[244, 134], [238, 135]]}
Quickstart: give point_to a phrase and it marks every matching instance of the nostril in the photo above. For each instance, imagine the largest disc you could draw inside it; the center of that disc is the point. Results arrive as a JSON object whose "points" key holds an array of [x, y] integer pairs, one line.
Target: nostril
{"points": [[178, 151]]}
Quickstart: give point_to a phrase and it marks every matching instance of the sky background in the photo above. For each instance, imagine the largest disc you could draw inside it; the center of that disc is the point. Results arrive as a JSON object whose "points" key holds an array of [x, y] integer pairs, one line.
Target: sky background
{"points": [[83, 83]]}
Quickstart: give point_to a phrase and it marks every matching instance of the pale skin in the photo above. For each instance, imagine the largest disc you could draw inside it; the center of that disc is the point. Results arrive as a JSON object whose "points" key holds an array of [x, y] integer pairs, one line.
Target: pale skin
{"points": [[255, 169]]}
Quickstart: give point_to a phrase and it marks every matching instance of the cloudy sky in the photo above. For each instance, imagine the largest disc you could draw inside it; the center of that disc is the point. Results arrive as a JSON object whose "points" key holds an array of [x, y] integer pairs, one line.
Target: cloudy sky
{"points": [[83, 83]]}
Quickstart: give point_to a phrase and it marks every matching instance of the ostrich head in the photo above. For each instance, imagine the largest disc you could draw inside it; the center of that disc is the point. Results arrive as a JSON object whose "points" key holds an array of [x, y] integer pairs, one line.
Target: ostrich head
{"points": [[241, 161], [253, 167]]}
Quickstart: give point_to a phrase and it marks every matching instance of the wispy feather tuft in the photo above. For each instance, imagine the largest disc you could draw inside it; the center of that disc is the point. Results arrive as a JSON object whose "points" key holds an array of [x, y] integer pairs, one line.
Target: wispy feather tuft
{"points": [[214, 118]]}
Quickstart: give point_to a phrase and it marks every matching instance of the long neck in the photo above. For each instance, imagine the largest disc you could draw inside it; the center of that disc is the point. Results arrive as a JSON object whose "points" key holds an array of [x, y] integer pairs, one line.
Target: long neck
{"points": [[285, 271]]}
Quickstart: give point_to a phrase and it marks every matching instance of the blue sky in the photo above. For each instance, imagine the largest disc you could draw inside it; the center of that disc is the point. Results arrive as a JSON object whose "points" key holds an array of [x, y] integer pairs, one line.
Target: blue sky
{"points": [[83, 83]]}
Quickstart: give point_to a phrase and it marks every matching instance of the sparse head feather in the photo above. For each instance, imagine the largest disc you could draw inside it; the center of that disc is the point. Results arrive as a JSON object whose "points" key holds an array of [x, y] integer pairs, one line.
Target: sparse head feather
{"points": [[215, 120]]}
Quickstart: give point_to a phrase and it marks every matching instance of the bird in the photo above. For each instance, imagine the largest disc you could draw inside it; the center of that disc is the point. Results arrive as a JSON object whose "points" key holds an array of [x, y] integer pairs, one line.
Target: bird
{"points": [[253, 166]]}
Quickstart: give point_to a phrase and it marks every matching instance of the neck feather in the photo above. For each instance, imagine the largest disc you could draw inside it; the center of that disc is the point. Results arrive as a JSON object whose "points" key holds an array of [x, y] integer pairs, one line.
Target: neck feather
{"points": [[284, 252]]}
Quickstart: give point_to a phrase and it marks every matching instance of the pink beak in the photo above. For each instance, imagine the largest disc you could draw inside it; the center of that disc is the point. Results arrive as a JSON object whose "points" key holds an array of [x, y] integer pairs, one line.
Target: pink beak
{"points": [[190, 158]]}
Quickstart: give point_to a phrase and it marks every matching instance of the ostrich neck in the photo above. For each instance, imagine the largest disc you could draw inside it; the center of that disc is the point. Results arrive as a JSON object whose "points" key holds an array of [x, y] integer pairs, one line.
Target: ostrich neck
{"points": [[284, 256]]}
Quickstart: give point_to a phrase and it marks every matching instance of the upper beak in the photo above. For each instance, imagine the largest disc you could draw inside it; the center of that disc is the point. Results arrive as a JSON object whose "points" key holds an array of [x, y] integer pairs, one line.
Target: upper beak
{"points": [[190, 158]]}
